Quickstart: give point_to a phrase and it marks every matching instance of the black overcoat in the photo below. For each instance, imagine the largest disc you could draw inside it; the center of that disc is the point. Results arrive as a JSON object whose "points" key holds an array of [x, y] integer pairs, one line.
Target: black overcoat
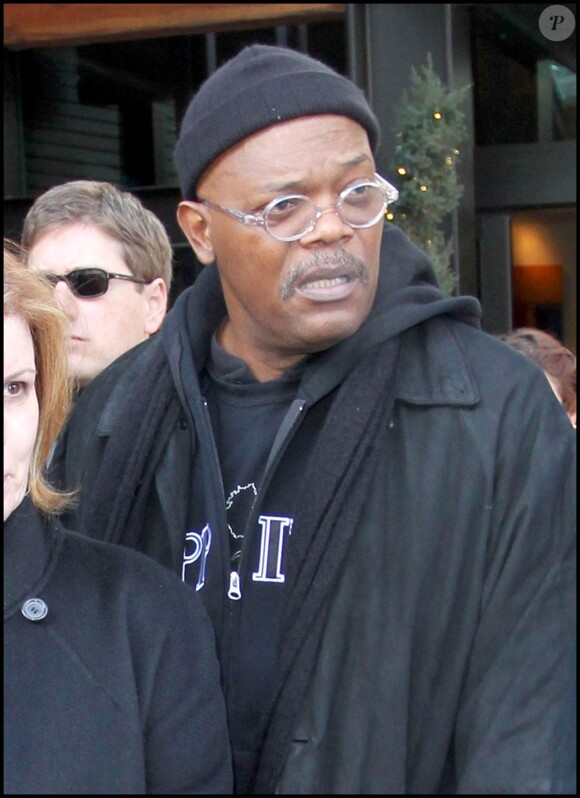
{"points": [[111, 681]]}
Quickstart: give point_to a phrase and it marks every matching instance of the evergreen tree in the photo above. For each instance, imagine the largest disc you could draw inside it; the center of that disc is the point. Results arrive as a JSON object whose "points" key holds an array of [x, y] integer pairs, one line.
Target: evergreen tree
{"points": [[430, 127]]}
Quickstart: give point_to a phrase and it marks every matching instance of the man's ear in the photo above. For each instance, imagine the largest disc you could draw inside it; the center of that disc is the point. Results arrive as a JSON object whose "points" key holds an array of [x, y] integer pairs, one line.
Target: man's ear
{"points": [[193, 220], [156, 297]]}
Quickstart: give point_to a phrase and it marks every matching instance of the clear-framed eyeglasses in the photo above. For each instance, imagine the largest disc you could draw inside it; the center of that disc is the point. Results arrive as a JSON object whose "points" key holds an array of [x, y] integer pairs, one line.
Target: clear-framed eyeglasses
{"points": [[292, 216]]}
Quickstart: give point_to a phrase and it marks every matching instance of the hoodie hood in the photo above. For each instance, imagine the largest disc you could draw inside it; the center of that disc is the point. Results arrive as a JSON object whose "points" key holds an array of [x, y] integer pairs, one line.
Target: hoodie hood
{"points": [[407, 295]]}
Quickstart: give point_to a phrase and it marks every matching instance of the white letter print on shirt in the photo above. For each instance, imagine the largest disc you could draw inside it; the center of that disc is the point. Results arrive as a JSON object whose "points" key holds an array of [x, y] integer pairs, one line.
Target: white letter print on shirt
{"points": [[201, 546], [271, 546]]}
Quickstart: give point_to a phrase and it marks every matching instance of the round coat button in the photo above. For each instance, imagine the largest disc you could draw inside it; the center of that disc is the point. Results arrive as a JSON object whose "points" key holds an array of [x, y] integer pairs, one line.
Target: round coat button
{"points": [[34, 609]]}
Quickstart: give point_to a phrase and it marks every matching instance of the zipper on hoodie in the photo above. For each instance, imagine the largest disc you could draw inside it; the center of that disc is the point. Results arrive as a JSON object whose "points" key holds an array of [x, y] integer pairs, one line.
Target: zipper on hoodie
{"points": [[234, 591], [234, 588], [288, 426]]}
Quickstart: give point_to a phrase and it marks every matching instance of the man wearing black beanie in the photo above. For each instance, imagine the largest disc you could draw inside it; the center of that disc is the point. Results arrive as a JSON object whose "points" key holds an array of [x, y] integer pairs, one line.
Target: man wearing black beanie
{"points": [[374, 498]]}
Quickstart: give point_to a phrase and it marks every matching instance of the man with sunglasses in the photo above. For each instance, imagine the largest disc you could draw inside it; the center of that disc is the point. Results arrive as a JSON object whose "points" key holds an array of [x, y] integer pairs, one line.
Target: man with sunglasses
{"points": [[109, 259], [374, 498]]}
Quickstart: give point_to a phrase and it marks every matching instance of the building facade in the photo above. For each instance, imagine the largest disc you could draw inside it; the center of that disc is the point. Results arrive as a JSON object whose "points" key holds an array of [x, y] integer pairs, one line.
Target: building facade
{"points": [[97, 91]]}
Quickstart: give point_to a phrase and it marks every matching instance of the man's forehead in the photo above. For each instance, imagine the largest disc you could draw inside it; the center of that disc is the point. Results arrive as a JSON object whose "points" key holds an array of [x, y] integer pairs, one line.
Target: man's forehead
{"points": [[279, 155]]}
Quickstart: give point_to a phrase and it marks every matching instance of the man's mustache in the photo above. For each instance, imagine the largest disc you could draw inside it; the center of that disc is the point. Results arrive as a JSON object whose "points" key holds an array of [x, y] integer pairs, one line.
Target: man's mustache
{"points": [[324, 265]]}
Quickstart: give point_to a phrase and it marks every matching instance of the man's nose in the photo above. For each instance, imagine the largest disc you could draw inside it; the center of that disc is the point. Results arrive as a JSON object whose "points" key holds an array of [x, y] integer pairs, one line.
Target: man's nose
{"points": [[329, 226]]}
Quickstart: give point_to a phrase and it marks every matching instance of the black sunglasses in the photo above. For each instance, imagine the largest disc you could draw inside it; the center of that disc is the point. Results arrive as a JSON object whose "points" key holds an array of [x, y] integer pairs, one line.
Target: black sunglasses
{"points": [[91, 282]]}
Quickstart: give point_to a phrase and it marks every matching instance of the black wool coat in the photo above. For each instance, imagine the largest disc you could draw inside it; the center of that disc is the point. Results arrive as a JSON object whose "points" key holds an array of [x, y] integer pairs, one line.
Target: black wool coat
{"points": [[116, 689]]}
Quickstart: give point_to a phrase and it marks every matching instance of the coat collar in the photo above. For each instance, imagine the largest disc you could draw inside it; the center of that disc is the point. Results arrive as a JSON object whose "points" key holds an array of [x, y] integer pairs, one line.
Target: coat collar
{"points": [[29, 543], [433, 365]]}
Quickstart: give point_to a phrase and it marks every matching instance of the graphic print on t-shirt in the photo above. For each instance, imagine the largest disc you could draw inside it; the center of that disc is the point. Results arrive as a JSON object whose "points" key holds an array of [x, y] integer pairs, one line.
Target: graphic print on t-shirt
{"points": [[239, 505], [197, 546], [274, 531]]}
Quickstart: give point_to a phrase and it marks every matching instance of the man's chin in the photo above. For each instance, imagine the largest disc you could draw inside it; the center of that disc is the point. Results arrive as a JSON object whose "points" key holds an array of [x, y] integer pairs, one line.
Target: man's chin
{"points": [[331, 330], [80, 377]]}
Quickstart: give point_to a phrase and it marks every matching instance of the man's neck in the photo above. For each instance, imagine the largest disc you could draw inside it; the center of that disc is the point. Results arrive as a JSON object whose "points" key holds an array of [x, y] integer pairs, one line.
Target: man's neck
{"points": [[265, 366]]}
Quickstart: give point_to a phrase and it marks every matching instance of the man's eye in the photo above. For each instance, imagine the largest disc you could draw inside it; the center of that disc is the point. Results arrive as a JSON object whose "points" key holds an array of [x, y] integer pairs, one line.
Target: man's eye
{"points": [[358, 194], [286, 206]]}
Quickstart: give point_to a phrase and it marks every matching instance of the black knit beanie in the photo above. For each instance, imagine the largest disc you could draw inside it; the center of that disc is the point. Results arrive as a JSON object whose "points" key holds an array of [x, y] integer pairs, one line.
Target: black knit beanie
{"points": [[259, 87]]}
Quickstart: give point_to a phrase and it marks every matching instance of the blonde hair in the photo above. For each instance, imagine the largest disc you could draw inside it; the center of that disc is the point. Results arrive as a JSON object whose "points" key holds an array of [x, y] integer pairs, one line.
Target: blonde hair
{"points": [[121, 215], [30, 296]]}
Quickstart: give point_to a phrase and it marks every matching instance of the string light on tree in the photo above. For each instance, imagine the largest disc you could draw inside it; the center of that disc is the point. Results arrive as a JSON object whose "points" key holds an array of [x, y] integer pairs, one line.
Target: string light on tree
{"points": [[429, 127]]}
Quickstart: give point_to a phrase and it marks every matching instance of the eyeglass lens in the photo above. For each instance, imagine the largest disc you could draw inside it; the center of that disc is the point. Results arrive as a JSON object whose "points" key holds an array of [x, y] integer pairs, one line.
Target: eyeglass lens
{"points": [[359, 206], [84, 282]]}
